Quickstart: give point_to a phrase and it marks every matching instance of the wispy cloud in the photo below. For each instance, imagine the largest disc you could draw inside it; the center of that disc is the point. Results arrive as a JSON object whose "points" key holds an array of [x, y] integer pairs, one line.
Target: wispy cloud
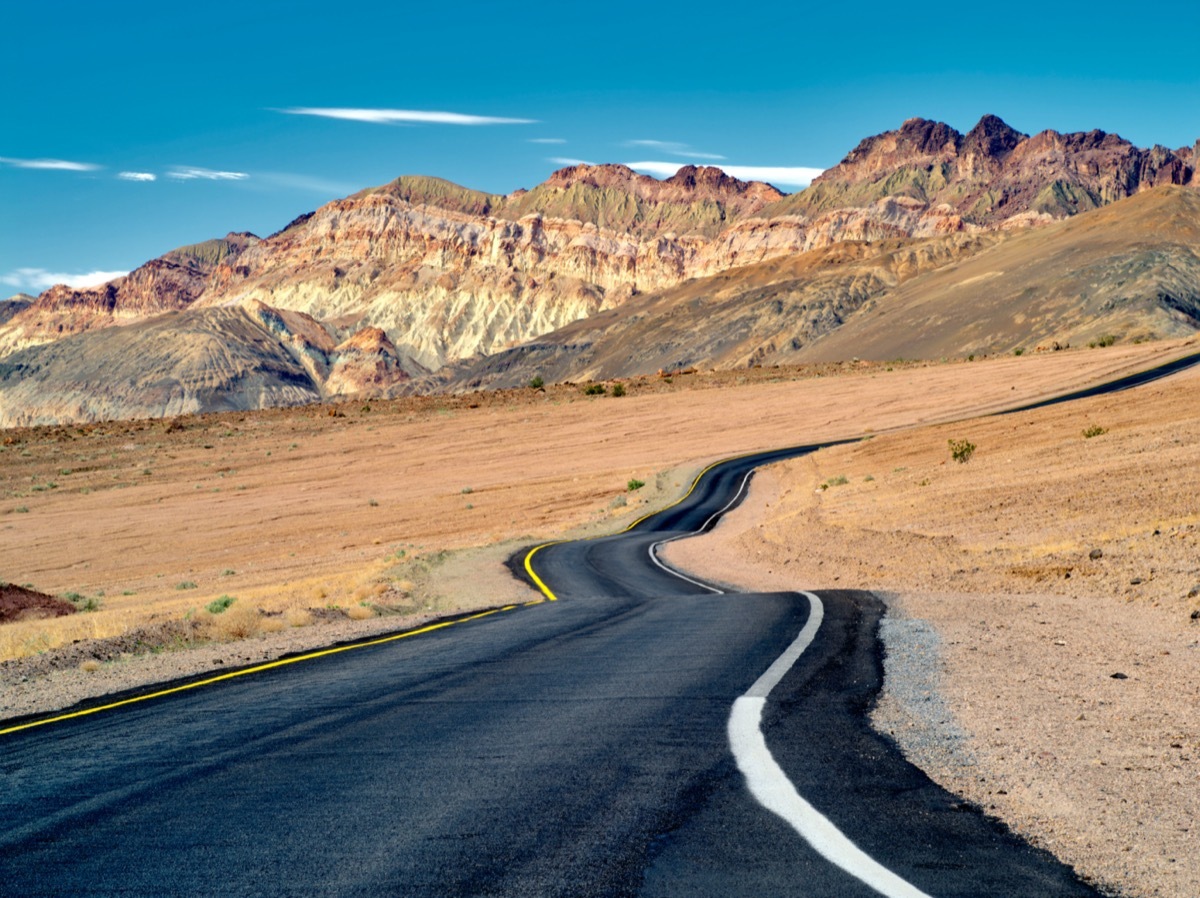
{"points": [[137, 176], [49, 164], [307, 183], [406, 116], [566, 160], [39, 279], [192, 173], [785, 175], [546, 140], [674, 148]]}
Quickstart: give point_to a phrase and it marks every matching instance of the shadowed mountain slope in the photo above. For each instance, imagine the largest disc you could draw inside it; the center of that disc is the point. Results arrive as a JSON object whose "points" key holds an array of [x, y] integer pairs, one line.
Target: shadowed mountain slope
{"points": [[1131, 270]]}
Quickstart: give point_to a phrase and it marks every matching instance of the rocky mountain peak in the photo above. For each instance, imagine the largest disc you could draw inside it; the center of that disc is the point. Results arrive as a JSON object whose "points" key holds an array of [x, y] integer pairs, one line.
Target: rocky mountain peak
{"points": [[607, 175], [992, 137]]}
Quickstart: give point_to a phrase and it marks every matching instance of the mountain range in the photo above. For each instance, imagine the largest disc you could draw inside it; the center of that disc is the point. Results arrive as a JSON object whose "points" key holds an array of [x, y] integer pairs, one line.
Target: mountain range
{"points": [[921, 242]]}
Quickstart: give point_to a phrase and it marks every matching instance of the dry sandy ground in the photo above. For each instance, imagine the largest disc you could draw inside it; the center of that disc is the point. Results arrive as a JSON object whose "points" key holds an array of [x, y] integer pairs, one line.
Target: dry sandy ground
{"points": [[1045, 597], [408, 509]]}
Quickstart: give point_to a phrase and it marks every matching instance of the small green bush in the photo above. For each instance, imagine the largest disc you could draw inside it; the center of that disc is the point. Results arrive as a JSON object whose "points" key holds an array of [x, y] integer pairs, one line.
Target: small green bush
{"points": [[216, 606], [1020, 350], [618, 390], [1094, 430], [634, 484], [186, 584], [595, 390], [536, 382], [961, 450], [1106, 340]]}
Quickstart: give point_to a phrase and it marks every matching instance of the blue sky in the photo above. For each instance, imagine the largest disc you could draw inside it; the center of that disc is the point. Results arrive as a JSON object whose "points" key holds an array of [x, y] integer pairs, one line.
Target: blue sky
{"points": [[129, 128]]}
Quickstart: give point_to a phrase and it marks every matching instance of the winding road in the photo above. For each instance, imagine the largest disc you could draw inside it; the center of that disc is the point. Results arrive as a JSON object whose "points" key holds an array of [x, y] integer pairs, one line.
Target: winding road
{"points": [[644, 733]]}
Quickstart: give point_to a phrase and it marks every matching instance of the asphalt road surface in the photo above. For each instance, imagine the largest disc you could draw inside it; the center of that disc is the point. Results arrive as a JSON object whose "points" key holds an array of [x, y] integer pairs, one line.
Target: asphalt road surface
{"points": [[580, 747]]}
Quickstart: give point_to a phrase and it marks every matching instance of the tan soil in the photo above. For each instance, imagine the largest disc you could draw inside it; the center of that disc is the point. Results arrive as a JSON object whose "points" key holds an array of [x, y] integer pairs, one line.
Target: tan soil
{"points": [[1029, 628], [294, 511]]}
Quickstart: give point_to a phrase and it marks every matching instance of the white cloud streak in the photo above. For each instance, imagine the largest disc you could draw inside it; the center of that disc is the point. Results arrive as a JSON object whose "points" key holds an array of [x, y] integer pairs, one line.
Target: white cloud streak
{"points": [[307, 183], [49, 164], [405, 116], [137, 176], [39, 279], [786, 175], [674, 148], [566, 160], [193, 173], [546, 140]]}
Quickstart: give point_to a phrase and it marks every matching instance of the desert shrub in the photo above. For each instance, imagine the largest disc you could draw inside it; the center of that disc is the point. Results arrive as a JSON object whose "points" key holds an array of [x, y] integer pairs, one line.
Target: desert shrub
{"points": [[595, 390], [961, 450], [1020, 350], [634, 484], [81, 602], [1106, 340], [297, 617], [1094, 430], [237, 623], [216, 606], [618, 502], [361, 611], [536, 382], [618, 390], [186, 584]]}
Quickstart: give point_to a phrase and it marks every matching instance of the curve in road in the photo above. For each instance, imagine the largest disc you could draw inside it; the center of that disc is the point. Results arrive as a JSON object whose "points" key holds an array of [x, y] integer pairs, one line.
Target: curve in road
{"points": [[575, 748]]}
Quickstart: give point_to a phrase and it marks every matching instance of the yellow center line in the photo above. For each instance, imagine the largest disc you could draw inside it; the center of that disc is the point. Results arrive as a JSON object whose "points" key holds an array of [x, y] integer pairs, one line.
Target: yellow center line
{"points": [[282, 662], [549, 594]]}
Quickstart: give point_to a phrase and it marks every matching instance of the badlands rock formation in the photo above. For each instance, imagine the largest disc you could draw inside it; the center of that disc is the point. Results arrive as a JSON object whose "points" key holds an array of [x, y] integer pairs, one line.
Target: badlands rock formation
{"points": [[408, 278]]}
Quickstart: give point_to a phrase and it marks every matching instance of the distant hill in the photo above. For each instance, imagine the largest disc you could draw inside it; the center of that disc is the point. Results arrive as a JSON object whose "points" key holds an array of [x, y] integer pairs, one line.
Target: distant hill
{"points": [[600, 271]]}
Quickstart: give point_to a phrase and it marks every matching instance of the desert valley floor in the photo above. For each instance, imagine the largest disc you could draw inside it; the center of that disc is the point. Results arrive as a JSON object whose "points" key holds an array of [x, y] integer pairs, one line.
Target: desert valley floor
{"points": [[1018, 583]]}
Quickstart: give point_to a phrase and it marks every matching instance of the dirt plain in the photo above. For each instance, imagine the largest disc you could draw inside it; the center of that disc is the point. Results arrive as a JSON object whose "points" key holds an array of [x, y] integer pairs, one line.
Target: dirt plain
{"points": [[395, 512]]}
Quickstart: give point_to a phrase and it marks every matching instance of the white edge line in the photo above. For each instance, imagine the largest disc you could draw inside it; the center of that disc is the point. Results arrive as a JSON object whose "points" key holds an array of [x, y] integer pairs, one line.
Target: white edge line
{"points": [[662, 542], [772, 789]]}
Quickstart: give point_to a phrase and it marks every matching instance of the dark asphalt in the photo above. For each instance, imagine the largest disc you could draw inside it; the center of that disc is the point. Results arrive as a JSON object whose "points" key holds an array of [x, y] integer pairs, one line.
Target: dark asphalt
{"points": [[570, 748]]}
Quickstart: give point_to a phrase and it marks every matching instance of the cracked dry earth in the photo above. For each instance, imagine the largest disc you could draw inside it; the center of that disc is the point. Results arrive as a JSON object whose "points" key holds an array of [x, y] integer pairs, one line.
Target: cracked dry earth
{"points": [[1043, 636]]}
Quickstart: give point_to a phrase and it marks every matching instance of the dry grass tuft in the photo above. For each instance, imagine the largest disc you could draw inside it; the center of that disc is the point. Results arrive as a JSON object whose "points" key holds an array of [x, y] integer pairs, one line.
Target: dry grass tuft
{"points": [[272, 624], [360, 612], [297, 617], [90, 666], [239, 622]]}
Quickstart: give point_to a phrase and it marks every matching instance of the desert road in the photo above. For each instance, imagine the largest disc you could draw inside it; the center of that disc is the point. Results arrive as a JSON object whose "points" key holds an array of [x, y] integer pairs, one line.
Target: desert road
{"points": [[587, 746]]}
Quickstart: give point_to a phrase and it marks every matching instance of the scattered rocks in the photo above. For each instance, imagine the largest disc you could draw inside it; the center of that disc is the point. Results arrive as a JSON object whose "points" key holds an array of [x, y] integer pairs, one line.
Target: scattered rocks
{"points": [[1096, 554], [1119, 676]]}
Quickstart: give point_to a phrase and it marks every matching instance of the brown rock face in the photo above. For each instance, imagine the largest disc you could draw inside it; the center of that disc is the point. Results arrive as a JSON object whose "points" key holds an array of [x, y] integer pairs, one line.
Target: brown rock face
{"points": [[170, 283], [994, 174]]}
